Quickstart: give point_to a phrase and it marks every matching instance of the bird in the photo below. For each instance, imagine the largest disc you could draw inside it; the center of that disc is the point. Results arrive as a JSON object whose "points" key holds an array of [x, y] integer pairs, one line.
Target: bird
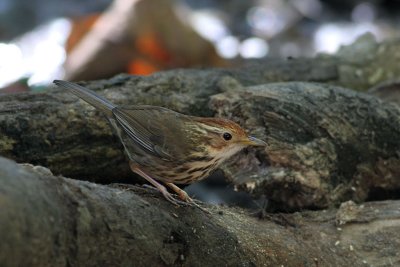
{"points": [[167, 147]]}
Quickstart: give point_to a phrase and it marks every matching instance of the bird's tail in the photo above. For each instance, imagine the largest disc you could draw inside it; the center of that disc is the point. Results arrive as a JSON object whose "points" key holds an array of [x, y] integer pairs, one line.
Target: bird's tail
{"points": [[89, 96]]}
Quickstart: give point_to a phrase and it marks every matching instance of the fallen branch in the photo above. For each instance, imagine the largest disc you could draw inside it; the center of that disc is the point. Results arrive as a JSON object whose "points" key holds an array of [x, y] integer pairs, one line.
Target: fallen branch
{"points": [[326, 145], [54, 221]]}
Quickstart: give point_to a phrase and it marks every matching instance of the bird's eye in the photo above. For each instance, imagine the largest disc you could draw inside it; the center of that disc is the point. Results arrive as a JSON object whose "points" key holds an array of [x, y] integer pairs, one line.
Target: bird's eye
{"points": [[227, 136]]}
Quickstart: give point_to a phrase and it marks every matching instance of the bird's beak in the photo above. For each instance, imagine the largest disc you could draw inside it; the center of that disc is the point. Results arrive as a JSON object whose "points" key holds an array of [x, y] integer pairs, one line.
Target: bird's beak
{"points": [[252, 141]]}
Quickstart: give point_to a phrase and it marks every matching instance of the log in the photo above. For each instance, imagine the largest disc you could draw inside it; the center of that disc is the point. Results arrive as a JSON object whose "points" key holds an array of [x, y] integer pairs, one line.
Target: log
{"points": [[326, 145], [48, 220]]}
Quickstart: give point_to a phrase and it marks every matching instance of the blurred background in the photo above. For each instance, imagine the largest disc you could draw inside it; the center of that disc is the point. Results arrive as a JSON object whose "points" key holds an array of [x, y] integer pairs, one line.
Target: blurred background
{"points": [[42, 40]]}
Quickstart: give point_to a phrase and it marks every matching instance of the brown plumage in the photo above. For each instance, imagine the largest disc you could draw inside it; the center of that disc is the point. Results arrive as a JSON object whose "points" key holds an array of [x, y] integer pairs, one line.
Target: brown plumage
{"points": [[164, 145]]}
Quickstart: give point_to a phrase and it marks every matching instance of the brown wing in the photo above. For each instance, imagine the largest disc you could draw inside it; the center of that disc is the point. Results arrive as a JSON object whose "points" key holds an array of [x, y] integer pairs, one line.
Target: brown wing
{"points": [[156, 130]]}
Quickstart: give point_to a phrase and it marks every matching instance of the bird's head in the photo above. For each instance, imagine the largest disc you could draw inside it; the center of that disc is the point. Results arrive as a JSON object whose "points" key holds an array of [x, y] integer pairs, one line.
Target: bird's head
{"points": [[224, 138]]}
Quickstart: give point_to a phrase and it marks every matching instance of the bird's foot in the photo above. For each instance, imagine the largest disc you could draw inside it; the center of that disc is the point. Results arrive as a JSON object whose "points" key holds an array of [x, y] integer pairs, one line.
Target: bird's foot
{"points": [[186, 198], [168, 196]]}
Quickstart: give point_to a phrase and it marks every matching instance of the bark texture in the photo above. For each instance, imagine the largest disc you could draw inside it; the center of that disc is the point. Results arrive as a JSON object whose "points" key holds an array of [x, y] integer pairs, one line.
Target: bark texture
{"points": [[326, 144], [55, 221]]}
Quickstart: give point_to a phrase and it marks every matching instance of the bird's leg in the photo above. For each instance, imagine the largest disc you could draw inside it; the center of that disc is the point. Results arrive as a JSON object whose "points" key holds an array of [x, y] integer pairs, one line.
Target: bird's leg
{"points": [[157, 185]]}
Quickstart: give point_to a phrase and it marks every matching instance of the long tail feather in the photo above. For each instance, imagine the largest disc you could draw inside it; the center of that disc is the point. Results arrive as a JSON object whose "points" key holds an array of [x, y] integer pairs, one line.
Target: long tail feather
{"points": [[89, 96]]}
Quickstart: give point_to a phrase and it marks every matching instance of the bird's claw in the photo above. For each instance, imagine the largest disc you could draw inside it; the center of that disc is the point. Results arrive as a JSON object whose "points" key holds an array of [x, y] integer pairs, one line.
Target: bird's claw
{"points": [[194, 203], [184, 199]]}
